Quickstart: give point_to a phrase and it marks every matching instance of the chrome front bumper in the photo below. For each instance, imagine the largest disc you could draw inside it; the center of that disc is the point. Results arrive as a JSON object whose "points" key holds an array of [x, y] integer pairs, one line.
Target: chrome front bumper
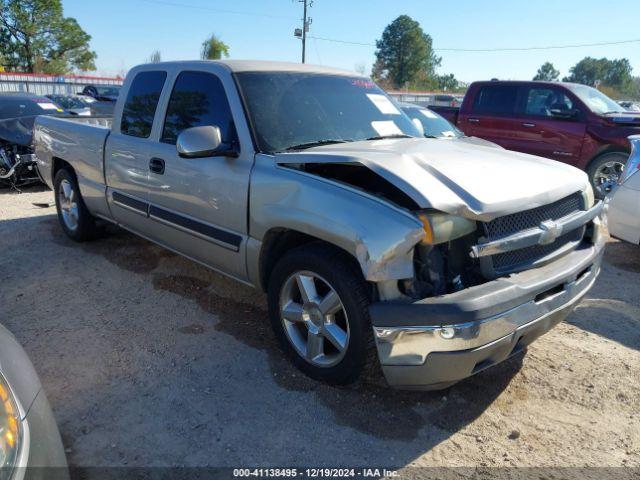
{"points": [[438, 341]]}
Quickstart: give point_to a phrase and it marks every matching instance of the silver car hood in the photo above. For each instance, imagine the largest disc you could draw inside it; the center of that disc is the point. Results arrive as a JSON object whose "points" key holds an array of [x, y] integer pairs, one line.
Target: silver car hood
{"points": [[460, 178]]}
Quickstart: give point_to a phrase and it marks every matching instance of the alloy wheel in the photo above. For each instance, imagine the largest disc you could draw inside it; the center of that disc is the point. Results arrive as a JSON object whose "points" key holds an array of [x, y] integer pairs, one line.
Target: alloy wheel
{"points": [[68, 204], [606, 176], [314, 319]]}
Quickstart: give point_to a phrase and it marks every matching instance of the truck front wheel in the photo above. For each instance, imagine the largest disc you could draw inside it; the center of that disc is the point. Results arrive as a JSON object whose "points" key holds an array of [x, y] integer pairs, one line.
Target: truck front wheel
{"points": [[318, 307], [75, 219], [604, 172]]}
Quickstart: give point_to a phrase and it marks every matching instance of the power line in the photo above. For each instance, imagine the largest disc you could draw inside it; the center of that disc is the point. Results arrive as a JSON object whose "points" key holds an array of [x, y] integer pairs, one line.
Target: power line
{"points": [[218, 10], [507, 49]]}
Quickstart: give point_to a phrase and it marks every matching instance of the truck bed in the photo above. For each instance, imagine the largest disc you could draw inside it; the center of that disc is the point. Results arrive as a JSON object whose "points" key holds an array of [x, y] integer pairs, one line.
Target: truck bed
{"points": [[79, 142], [450, 113]]}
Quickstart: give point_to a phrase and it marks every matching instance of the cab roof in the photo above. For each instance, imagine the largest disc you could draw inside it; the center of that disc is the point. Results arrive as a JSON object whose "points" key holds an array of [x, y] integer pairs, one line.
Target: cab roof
{"points": [[237, 66]]}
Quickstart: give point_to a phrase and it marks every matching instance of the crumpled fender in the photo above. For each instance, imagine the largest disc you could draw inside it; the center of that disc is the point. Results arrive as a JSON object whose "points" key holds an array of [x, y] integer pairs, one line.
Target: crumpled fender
{"points": [[379, 235]]}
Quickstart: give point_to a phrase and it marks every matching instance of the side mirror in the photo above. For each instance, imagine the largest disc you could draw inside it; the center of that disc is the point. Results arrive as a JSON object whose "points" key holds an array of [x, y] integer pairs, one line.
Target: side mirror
{"points": [[199, 142], [418, 125], [569, 114]]}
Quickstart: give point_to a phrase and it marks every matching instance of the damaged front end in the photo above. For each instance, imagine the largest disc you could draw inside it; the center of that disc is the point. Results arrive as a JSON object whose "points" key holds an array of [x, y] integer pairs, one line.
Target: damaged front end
{"points": [[428, 261], [17, 166], [442, 263], [17, 158]]}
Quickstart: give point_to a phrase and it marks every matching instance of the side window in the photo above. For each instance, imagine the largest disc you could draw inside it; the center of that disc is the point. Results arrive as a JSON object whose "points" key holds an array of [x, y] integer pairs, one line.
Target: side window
{"points": [[141, 104], [547, 102], [198, 99], [496, 99]]}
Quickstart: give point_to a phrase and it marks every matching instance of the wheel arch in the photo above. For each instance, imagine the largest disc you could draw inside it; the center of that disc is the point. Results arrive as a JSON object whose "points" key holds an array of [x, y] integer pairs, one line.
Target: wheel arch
{"points": [[278, 241], [58, 164], [605, 150]]}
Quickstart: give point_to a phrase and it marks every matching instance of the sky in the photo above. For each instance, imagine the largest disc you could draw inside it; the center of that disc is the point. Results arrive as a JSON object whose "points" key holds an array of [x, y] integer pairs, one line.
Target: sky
{"points": [[126, 32]]}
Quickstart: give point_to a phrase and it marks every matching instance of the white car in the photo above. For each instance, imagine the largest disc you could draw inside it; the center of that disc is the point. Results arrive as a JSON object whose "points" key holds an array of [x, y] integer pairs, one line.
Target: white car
{"points": [[624, 203]]}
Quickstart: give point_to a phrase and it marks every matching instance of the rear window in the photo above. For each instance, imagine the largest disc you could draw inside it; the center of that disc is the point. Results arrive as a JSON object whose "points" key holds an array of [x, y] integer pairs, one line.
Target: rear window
{"points": [[496, 99], [141, 104]]}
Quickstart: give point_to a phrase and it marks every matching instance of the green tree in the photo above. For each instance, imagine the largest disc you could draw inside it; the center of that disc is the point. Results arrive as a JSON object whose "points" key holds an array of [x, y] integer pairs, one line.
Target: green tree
{"points": [[448, 83], [35, 36], [213, 48], [547, 73], [155, 57], [404, 53], [611, 73]]}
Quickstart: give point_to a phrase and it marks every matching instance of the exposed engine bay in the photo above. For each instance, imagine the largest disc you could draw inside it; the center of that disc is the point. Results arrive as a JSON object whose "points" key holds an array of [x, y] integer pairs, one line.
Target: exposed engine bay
{"points": [[17, 166], [439, 269], [17, 160]]}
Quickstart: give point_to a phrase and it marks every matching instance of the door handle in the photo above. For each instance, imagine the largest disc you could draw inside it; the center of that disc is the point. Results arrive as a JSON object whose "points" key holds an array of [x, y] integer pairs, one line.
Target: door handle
{"points": [[156, 165], [473, 120], [528, 125]]}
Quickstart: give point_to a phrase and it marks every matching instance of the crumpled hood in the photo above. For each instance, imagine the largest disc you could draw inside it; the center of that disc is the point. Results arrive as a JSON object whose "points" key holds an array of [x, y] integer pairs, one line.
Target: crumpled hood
{"points": [[459, 178]]}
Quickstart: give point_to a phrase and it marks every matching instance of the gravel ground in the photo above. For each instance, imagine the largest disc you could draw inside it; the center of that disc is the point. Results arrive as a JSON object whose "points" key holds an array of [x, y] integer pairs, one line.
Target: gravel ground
{"points": [[151, 360]]}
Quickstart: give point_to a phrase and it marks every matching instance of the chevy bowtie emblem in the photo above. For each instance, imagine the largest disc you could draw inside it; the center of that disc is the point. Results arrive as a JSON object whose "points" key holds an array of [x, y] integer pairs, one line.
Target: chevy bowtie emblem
{"points": [[550, 232]]}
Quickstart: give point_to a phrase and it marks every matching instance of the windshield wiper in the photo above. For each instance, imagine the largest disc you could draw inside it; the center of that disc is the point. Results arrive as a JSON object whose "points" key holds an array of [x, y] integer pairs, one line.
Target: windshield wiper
{"points": [[317, 143], [395, 135]]}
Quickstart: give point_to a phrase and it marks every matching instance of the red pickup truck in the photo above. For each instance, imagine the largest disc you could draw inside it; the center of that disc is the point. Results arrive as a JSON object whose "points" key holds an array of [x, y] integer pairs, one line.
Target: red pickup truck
{"points": [[572, 123]]}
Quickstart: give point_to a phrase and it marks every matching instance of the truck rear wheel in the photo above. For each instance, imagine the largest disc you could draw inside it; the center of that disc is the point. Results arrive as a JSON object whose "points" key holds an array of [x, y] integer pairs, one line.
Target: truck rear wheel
{"points": [[318, 307], [604, 172], [75, 219]]}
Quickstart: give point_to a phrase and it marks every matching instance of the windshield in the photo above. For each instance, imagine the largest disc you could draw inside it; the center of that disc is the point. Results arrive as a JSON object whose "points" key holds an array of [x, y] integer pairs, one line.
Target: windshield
{"points": [[68, 102], [597, 101], [433, 124], [290, 109], [108, 91], [26, 107]]}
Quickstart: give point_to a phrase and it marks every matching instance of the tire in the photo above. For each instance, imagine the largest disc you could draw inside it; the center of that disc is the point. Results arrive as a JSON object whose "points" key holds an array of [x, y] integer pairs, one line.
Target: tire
{"points": [[327, 267], [73, 215], [604, 172]]}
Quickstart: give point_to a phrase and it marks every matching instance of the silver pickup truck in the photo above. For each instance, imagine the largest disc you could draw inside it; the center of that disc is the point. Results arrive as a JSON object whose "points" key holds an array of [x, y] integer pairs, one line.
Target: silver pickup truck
{"points": [[437, 256]]}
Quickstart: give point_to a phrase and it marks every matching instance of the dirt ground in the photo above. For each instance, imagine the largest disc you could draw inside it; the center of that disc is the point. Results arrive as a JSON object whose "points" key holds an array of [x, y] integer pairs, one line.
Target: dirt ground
{"points": [[151, 360]]}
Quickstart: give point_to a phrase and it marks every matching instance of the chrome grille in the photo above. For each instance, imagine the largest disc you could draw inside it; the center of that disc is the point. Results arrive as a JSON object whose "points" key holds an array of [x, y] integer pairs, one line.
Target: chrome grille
{"points": [[516, 222], [501, 227], [509, 261]]}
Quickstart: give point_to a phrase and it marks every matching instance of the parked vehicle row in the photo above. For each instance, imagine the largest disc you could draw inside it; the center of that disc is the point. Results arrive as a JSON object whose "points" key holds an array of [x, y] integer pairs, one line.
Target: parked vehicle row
{"points": [[630, 105], [310, 183], [17, 115], [571, 123]]}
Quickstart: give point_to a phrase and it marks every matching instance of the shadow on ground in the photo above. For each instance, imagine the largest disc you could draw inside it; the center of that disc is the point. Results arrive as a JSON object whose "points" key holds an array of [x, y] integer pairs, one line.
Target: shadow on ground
{"points": [[394, 417], [624, 256], [155, 389]]}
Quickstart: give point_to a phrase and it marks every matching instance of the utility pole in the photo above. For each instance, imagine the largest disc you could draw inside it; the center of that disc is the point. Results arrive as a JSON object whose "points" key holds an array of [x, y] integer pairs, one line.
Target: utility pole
{"points": [[306, 21]]}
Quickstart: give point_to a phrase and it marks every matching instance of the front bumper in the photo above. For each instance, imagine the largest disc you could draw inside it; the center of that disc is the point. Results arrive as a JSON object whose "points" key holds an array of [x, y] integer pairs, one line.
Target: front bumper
{"points": [[436, 342]]}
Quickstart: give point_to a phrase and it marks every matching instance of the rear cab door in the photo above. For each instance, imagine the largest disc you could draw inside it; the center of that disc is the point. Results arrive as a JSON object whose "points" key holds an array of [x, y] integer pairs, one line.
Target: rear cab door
{"points": [[551, 123], [491, 114], [127, 154]]}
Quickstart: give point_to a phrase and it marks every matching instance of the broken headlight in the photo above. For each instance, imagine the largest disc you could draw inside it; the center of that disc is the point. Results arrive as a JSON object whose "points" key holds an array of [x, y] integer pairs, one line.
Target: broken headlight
{"points": [[441, 227], [10, 430]]}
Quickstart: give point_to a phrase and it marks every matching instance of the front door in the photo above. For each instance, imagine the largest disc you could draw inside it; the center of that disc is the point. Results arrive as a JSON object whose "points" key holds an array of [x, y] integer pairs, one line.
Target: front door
{"points": [[550, 125], [198, 206]]}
